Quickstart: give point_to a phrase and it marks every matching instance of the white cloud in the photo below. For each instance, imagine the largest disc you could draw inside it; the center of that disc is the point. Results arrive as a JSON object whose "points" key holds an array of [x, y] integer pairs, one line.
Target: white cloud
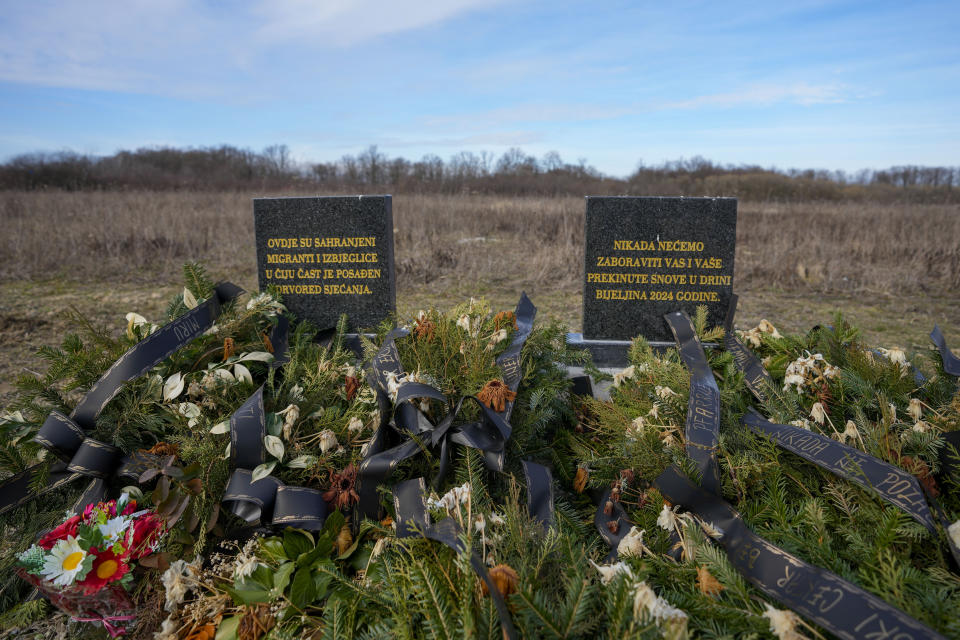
{"points": [[768, 94]]}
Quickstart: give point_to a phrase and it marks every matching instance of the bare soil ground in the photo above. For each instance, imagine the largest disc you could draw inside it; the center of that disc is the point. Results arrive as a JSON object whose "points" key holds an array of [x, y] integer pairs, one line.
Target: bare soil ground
{"points": [[894, 270]]}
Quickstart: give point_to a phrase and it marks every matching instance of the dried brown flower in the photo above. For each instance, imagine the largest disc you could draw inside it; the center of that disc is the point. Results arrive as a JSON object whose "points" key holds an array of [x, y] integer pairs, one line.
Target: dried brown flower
{"points": [[266, 341], [608, 508], [921, 471], [343, 491], [163, 449], [503, 318], [256, 622], [228, 348], [626, 475], [386, 522], [495, 394], [424, 328], [580, 480], [352, 385], [613, 526], [504, 578], [207, 631], [708, 585]]}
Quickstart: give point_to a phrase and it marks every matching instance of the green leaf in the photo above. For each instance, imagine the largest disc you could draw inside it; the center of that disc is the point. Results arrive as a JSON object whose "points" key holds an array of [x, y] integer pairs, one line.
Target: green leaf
{"points": [[228, 628], [303, 591], [296, 542], [282, 578], [272, 549], [247, 596]]}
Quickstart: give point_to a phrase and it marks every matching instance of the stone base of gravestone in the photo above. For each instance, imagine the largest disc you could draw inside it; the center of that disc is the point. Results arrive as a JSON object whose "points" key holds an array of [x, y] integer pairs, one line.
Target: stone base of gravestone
{"points": [[613, 353], [609, 353]]}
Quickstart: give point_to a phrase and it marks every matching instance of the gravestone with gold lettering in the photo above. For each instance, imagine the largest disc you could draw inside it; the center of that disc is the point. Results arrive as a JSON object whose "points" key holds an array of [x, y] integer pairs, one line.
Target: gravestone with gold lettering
{"points": [[649, 256], [328, 256]]}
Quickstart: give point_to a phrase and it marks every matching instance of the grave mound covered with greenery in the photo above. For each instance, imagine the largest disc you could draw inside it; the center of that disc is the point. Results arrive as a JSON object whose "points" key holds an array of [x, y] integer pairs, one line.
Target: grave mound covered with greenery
{"points": [[452, 494]]}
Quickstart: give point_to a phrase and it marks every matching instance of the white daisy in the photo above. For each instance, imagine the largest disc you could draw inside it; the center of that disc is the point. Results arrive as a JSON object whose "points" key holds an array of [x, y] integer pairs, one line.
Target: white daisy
{"points": [[64, 563], [113, 529]]}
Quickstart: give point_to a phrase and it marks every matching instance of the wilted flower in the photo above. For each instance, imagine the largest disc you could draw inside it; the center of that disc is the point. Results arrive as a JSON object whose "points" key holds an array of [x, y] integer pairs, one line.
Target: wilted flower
{"points": [[266, 304], [752, 336], [915, 409], [580, 479], [479, 524], [921, 426], [496, 338], [818, 413], [169, 630], [136, 321], [610, 571], [632, 543], [637, 426], [290, 416], [504, 578], [664, 393], [850, 432], [622, 376], [343, 488], [654, 411], [355, 425], [452, 498], [244, 565], [783, 623], [496, 394], [496, 519], [175, 581], [673, 621], [328, 441], [807, 371], [802, 423], [667, 518]]}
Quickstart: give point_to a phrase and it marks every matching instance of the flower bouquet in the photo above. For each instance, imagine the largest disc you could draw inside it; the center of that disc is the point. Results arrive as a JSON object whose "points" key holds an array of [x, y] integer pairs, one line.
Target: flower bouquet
{"points": [[84, 565]]}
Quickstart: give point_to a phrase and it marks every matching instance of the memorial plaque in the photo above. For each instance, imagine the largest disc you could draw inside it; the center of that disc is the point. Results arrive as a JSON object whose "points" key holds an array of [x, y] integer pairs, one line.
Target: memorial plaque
{"points": [[648, 256], [328, 256]]}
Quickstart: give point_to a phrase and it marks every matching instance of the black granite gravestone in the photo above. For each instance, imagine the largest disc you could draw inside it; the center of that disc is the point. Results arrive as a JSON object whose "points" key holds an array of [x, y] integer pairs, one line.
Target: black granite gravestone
{"points": [[648, 256], [328, 256]]}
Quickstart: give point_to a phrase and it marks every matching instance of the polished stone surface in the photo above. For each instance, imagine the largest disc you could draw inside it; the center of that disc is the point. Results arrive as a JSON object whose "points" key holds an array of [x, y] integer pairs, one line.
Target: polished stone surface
{"points": [[648, 256], [328, 256]]}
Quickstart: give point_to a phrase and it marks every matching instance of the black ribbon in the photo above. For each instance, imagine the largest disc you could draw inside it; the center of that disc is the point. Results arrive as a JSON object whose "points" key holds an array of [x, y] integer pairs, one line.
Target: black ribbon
{"points": [[890, 482], [489, 434], [703, 409], [821, 596], [65, 436], [754, 375], [413, 520], [951, 363], [268, 499]]}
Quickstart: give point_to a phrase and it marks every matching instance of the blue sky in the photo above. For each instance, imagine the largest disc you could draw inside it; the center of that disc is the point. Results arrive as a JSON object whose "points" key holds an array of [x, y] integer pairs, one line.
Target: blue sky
{"points": [[837, 85]]}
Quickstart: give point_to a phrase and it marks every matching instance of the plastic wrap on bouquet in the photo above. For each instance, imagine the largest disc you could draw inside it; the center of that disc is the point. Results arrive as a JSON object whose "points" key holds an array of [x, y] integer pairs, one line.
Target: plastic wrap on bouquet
{"points": [[110, 606]]}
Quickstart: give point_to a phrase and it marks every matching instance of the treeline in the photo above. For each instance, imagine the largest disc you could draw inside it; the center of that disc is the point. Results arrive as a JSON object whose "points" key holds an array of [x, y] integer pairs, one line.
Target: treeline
{"points": [[512, 173]]}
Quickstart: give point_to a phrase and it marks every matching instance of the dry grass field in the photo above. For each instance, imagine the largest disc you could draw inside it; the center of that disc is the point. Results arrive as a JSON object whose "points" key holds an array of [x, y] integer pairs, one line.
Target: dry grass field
{"points": [[893, 269]]}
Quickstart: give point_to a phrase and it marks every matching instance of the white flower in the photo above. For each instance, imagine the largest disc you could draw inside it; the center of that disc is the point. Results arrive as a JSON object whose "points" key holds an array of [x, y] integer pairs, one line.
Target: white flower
{"points": [[664, 393], [610, 571], [464, 322], [850, 431], [632, 543], [646, 600], [134, 322], [328, 441], [711, 530], [175, 581], [290, 416], [921, 426], [173, 387], [654, 411], [803, 424], [637, 426], [479, 524], [457, 495], [64, 562], [112, 529], [168, 630], [496, 519], [915, 409], [355, 425], [782, 623], [622, 376], [766, 327], [244, 565], [667, 518], [496, 338], [954, 532], [818, 413]]}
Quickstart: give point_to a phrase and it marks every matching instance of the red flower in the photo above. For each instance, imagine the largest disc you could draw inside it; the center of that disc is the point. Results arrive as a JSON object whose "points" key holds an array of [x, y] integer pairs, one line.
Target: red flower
{"points": [[107, 567], [130, 508], [68, 528], [146, 534]]}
